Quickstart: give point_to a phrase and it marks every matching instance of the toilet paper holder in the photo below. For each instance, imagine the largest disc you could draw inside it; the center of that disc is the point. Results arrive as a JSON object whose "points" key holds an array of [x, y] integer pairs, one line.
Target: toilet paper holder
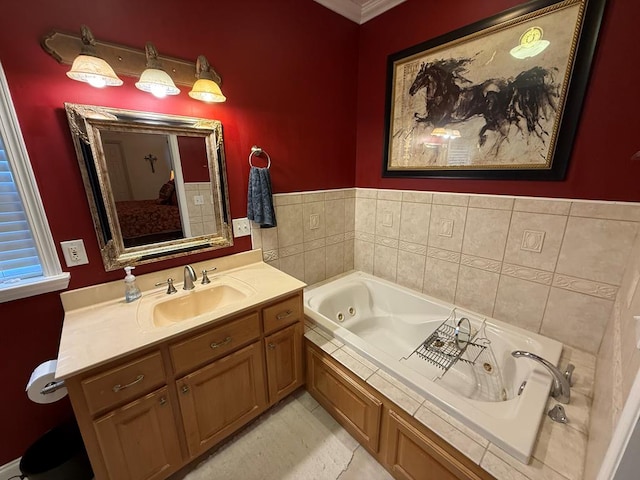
{"points": [[52, 387]]}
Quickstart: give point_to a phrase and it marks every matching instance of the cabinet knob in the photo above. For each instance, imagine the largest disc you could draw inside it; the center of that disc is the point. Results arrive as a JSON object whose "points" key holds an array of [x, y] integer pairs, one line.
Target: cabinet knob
{"points": [[185, 389], [163, 400], [272, 346]]}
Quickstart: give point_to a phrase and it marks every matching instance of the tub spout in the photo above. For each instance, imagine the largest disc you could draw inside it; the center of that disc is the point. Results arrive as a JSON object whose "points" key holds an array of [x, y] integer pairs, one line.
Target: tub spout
{"points": [[561, 389]]}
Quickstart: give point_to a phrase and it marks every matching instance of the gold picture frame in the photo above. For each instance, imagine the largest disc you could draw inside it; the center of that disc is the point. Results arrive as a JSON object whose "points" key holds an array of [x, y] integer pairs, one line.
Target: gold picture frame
{"points": [[498, 99]]}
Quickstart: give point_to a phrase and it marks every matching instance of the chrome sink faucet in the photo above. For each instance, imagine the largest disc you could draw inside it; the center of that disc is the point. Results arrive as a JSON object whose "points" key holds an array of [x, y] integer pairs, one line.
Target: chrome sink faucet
{"points": [[561, 388], [189, 277]]}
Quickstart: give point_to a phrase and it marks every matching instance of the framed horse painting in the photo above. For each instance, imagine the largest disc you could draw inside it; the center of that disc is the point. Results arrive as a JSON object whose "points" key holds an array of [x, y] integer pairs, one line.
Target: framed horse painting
{"points": [[498, 99]]}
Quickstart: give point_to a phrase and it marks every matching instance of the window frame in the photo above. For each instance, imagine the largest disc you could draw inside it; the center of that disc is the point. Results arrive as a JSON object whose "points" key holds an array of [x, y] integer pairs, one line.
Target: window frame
{"points": [[53, 278]]}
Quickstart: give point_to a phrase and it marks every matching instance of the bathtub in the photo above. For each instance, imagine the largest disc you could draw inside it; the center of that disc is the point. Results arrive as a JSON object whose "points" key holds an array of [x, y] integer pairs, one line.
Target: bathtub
{"points": [[390, 325]]}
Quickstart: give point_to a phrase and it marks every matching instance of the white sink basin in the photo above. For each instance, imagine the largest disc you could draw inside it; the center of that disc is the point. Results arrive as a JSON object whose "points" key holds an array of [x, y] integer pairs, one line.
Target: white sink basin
{"points": [[161, 310]]}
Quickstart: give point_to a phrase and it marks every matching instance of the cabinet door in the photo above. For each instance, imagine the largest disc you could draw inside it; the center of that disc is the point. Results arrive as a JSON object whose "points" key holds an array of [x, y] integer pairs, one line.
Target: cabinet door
{"points": [[284, 362], [350, 404], [411, 455], [140, 440], [218, 399]]}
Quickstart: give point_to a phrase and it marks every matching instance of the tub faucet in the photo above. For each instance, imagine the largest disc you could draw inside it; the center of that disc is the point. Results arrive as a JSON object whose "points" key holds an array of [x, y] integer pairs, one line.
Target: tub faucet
{"points": [[189, 277], [561, 389]]}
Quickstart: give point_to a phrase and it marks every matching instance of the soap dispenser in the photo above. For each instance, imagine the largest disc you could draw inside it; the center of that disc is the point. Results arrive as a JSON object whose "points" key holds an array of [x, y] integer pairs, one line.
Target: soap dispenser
{"points": [[131, 290]]}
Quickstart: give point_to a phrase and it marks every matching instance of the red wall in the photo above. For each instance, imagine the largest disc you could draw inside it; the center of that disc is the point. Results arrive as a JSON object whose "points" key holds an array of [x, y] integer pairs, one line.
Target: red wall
{"points": [[607, 135], [193, 159], [289, 74]]}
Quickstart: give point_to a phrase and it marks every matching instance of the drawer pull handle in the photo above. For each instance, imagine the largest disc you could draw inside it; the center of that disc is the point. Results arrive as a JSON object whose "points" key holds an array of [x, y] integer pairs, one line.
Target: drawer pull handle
{"points": [[272, 346], [224, 342], [283, 315], [117, 388], [185, 389], [163, 401]]}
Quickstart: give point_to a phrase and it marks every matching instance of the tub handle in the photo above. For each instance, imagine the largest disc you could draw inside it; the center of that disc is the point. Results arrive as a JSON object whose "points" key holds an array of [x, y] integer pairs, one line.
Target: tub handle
{"points": [[283, 315]]}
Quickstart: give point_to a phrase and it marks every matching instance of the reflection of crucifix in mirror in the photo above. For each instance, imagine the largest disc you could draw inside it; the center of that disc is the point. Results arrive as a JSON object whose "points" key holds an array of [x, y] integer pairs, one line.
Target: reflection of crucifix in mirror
{"points": [[151, 158]]}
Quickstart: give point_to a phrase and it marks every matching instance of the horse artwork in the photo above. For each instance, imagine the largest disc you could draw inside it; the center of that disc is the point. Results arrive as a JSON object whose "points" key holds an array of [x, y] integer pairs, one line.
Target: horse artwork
{"points": [[496, 99], [508, 106]]}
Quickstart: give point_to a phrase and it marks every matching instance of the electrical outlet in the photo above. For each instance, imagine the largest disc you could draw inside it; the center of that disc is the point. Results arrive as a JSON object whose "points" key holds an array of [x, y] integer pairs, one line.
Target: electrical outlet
{"points": [[198, 200], [241, 227], [74, 253]]}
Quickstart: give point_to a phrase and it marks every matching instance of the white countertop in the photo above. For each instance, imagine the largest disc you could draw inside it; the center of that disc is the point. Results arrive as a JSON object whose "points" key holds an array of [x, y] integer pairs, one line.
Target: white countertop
{"points": [[99, 326]]}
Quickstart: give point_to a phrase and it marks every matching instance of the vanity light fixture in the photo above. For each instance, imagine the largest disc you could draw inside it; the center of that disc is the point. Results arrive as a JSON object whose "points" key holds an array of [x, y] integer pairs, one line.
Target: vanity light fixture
{"points": [[207, 87], [66, 47], [89, 67], [154, 79]]}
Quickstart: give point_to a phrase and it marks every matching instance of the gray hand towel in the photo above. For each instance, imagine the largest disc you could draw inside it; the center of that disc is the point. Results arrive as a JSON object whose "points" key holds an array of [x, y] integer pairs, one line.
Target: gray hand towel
{"points": [[260, 201]]}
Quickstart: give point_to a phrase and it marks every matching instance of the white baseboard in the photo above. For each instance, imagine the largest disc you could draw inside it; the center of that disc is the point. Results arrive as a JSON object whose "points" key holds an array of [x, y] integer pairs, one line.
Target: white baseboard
{"points": [[10, 469]]}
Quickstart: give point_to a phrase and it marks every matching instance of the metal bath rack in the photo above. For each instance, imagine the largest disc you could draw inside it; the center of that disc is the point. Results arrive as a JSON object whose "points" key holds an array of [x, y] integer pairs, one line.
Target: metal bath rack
{"points": [[452, 341]]}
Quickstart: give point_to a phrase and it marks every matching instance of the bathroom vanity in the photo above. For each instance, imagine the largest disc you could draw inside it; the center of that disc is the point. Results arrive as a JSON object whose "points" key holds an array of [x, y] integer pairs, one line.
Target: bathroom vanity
{"points": [[149, 394]]}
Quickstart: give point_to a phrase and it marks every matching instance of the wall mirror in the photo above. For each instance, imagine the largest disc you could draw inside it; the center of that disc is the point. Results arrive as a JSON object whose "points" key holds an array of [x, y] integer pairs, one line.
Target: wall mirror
{"points": [[156, 183]]}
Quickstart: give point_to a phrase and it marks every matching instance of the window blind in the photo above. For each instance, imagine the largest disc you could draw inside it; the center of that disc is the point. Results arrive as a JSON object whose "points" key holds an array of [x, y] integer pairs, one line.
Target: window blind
{"points": [[18, 254]]}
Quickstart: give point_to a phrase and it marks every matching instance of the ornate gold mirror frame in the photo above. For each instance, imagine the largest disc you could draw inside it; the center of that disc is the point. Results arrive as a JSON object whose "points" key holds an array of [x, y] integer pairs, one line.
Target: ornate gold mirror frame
{"points": [[201, 215]]}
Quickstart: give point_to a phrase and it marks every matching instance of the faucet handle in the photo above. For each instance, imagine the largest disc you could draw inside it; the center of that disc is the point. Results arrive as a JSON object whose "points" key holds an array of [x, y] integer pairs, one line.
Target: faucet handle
{"points": [[568, 373], [205, 278], [170, 288]]}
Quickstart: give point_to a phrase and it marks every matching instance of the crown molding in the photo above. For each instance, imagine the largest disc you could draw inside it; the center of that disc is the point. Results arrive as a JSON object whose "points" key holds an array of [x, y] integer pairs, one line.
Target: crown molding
{"points": [[359, 11], [373, 8]]}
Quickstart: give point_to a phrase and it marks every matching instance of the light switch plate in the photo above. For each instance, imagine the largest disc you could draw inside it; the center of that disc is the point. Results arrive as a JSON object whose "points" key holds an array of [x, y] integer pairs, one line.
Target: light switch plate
{"points": [[241, 227]]}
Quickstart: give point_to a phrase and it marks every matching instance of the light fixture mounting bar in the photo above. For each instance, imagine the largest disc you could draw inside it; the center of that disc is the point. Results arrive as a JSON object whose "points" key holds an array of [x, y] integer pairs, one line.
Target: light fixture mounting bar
{"points": [[65, 47]]}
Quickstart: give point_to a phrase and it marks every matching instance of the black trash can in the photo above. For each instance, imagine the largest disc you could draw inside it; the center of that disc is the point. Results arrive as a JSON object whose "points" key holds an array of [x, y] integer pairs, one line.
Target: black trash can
{"points": [[58, 455]]}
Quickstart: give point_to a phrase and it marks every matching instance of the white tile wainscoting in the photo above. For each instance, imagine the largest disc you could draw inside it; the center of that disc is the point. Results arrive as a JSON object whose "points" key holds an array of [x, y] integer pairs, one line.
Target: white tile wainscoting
{"points": [[550, 266], [568, 269]]}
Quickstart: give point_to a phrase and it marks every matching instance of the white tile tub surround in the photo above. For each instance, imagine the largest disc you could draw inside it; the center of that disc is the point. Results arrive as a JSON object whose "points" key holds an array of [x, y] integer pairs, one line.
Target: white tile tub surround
{"points": [[618, 365], [552, 266], [315, 235], [559, 453]]}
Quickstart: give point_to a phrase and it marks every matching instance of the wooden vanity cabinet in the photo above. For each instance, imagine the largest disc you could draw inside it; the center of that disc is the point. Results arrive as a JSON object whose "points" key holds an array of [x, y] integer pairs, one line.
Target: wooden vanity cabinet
{"points": [[284, 361], [140, 439], [218, 399], [128, 418], [405, 447], [145, 416]]}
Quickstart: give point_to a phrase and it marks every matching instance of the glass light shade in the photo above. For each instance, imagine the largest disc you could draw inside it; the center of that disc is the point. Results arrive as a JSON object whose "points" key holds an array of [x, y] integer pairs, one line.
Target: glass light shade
{"points": [[94, 71], [157, 82], [207, 91]]}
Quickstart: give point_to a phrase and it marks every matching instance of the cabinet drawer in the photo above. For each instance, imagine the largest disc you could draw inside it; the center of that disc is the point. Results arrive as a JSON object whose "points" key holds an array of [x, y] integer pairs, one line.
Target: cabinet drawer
{"points": [[282, 314], [122, 383], [214, 343]]}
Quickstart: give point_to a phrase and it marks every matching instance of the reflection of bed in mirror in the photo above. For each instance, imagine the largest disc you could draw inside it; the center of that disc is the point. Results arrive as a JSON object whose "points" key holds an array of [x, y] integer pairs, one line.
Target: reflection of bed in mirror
{"points": [[147, 221]]}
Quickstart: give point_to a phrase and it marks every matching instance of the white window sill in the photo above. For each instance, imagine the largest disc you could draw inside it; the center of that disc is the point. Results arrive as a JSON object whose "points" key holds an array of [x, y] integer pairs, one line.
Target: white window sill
{"points": [[33, 286]]}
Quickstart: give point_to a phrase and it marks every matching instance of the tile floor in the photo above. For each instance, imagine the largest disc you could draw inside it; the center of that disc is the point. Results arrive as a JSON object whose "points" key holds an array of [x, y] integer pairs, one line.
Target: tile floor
{"points": [[297, 439]]}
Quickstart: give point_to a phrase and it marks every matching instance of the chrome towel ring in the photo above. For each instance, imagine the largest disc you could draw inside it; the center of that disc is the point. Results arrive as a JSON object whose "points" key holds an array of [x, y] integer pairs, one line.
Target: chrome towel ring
{"points": [[256, 150]]}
